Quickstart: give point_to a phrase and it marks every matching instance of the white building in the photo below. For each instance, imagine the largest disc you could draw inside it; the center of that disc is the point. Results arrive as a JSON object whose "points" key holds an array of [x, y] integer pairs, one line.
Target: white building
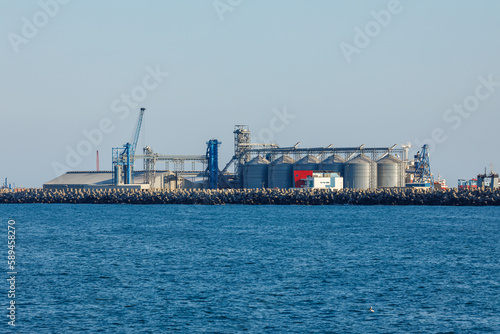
{"points": [[324, 181]]}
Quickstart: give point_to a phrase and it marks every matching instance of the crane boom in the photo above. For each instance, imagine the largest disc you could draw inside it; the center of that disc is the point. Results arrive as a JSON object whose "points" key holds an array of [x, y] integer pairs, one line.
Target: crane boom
{"points": [[129, 148], [137, 131]]}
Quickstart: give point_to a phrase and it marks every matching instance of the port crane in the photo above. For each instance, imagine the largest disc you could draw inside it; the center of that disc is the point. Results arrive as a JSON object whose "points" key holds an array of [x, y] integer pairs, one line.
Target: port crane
{"points": [[422, 173], [124, 157]]}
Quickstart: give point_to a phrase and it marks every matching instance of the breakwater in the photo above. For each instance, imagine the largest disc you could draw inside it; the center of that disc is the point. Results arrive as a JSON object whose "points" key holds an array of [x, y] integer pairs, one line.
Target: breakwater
{"points": [[404, 196]]}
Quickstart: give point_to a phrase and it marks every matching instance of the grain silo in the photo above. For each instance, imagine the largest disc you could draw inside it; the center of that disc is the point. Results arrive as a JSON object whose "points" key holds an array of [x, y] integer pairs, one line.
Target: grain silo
{"points": [[333, 163], [306, 163], [118, 175], [390, 172], [360, 173], [255, 173], [280, 173]]}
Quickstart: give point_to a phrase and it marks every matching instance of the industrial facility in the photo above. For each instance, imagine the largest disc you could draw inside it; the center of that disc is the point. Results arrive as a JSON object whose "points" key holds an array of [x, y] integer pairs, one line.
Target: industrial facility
{"points": [[256, 165], [482, 181], [6, 186]]}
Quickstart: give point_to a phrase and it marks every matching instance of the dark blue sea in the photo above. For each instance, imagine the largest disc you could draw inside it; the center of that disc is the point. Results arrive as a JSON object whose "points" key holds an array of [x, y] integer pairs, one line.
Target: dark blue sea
{"points": [[256, 269]]}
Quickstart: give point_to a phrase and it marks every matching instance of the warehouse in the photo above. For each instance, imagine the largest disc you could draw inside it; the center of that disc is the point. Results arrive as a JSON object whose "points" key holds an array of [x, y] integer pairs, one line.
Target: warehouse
{"points": [[98, 180]]}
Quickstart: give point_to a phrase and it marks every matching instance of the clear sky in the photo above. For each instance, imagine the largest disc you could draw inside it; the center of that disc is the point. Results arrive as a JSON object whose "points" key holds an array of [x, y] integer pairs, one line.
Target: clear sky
{"points": [[377, 73]]}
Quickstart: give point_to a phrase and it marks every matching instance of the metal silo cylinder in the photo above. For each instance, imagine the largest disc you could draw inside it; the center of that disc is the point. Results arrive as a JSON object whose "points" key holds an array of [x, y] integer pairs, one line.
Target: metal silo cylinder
{"points": [[280, 173], [118, 175], [360, 173], [255, 173], [333, 163], [390, 172]]}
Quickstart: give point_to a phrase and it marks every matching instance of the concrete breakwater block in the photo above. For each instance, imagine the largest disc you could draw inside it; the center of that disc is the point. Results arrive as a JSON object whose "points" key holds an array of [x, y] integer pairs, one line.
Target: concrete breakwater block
{"points": [[393, 196]]}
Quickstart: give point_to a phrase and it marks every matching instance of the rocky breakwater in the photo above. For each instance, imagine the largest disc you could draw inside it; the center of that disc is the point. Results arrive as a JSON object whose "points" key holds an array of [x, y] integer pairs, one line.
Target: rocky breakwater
{"points": [[404, 196]]}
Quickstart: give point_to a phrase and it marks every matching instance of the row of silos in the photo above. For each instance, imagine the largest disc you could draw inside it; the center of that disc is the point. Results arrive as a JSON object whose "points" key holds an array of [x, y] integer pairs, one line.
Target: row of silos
{"points": [[360, 172]]}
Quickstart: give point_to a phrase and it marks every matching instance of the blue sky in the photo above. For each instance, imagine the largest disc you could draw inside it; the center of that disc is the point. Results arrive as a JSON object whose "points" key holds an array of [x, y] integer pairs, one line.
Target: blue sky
{"points": [[411, 73]]}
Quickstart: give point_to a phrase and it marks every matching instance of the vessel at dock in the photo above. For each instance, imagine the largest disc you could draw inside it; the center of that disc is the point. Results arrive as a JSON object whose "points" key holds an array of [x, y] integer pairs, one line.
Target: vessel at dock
{"points": [[440, 183]]}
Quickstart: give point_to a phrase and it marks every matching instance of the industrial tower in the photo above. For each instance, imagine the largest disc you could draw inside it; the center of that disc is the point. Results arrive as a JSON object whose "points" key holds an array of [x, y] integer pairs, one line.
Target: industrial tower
{"points": [[241, 143], [213, 163]]}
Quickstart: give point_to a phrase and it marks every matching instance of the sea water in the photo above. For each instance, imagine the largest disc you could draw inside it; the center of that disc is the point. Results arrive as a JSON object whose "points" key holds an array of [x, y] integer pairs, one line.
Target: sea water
{"points": [[257, 269]]}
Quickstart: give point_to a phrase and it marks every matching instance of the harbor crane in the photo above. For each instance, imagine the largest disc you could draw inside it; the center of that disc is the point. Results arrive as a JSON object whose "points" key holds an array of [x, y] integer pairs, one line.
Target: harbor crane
{"points": [[422, 173], [124, 157]]}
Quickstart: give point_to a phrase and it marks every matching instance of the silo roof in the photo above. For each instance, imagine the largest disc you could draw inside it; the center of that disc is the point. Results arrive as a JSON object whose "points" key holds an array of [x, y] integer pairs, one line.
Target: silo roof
{"points": [[258, 161], [284, 159], [389, 159], [308, 159], [360, 159], [333, 159]]}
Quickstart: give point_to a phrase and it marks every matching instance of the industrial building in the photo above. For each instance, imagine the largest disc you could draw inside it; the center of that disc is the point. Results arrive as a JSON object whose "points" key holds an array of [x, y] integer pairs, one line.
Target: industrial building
{"points": [[487, 180], [467, 184], [90, 180], [359, 172], [292, 167], [483, 181], [104, 180], [324, 181], [255, 165]]}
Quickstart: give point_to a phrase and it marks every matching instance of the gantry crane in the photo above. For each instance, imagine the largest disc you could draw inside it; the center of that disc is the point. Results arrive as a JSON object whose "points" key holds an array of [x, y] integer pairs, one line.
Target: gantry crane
{"points": [[422, 173], [124, 157]]}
